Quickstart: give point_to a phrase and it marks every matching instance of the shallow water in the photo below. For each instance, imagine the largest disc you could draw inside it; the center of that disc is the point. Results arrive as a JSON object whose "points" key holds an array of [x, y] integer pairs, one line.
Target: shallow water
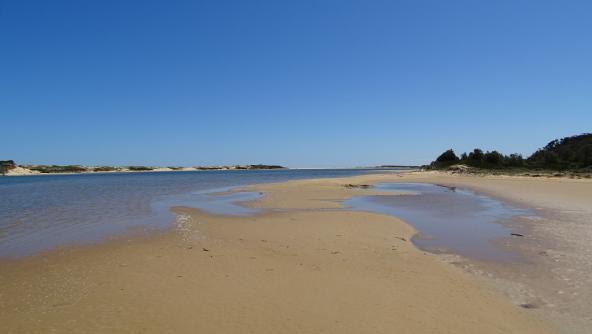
{"points": [[224, 201], [41, 212], [449, 220]]}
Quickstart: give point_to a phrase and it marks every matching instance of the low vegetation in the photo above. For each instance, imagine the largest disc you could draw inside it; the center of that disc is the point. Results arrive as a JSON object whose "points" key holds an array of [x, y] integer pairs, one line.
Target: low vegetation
{"points": [[58, 169], [139, 168], [261, 166], [239, 167], [208, 167], [572, 154], [105, 169]]}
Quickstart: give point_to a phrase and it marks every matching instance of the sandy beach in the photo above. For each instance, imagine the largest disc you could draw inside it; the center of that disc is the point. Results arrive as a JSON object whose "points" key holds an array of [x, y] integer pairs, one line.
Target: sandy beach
{"points": [[309, 267], [271, 167]]}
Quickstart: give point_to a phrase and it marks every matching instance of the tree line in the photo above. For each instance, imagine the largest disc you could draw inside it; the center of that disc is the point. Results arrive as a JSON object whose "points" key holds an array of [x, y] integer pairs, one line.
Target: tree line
{"points": [[569, 153]]}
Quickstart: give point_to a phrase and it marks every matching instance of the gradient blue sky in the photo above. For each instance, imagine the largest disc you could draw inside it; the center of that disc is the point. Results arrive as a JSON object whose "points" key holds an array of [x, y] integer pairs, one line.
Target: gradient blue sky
{"points": [[300, 83]]}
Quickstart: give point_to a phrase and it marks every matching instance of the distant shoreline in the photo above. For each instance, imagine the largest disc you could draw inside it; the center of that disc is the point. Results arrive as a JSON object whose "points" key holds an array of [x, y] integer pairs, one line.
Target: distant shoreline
{"points": [[28, 170], [11, 169]]}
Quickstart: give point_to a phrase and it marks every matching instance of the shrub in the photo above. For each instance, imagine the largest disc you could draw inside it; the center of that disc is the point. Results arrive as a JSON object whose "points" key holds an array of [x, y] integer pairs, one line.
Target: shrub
{"points": [[139, 168], [105, 169], [6, 165]]}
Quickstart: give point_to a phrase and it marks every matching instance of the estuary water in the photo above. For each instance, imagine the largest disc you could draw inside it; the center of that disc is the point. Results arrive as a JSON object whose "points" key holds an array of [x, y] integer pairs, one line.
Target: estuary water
{"points": [[448, 219], [41, 212]]}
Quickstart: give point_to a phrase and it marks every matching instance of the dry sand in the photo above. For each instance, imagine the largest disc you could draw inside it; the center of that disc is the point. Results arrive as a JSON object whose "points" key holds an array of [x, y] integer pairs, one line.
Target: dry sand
{"points": [[308, 268]]}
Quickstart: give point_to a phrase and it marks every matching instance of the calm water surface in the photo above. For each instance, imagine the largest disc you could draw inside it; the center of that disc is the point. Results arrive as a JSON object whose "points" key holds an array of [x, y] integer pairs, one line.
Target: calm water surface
{"points": [[448, 219], [41, 212]]}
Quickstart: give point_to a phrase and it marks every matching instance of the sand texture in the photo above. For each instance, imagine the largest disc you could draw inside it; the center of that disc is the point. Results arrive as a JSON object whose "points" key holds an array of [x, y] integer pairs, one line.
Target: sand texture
{"points": [[309, 267]]}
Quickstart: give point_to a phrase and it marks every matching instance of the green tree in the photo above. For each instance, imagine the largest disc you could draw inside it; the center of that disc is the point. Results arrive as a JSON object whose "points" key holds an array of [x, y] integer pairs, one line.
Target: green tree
{"points": [[493, 159], [514, 160], [476, 158], [445, 159]]}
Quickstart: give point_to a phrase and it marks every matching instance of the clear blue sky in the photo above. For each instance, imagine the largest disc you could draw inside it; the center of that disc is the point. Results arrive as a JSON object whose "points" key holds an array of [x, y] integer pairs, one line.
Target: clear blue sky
{"points": [[319, 83]]}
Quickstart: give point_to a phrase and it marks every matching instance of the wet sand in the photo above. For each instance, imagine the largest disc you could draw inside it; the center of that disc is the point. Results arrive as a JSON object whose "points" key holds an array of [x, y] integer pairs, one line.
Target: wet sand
{"points": [[555, 282], [304, 268]]}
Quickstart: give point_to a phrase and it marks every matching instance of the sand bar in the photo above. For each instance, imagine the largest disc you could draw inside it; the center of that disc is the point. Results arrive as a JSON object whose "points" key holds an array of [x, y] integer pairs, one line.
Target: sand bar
{"points": [[308, 267]]}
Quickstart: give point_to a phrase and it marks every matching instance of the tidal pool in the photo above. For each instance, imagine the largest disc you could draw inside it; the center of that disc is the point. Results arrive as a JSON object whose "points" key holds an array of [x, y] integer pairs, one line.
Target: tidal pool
{"points": [[448, 219]]}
